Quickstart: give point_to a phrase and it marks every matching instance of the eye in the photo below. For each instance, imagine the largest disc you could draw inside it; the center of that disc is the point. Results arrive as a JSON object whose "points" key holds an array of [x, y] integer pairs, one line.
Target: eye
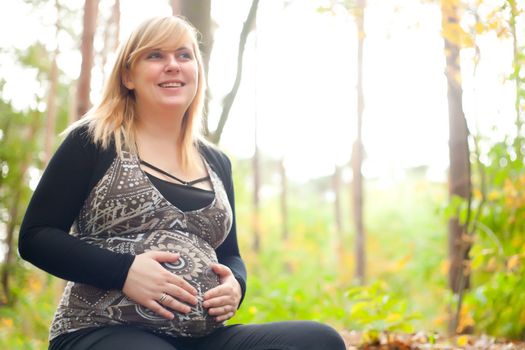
{"points": [[154, 55], [185, 55]]}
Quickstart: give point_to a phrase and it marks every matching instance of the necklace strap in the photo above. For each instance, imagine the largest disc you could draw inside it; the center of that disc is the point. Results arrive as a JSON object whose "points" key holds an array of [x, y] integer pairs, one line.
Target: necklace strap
{"points": [[186, 183]]}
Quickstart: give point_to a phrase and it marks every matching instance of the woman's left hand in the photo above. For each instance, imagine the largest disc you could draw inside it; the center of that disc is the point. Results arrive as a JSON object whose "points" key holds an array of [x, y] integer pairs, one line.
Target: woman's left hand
{"points": [[223, 300]]}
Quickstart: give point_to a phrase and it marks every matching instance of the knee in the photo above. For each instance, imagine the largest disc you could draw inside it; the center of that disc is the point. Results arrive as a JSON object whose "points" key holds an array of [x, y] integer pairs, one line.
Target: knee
{"points": [[321, 336]]}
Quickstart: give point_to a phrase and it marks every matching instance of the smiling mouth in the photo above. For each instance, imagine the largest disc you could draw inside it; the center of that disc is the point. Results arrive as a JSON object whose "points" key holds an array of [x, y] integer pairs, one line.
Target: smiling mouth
{"points": [[171, 85]]}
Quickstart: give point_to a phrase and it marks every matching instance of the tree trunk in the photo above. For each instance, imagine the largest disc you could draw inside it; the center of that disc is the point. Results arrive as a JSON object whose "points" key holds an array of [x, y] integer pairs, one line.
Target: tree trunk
{"points": [[459, 171], [357, 153], [518, 80], [88, 34], [116, 23], [51, 112], [14, 210], [256, 245], [338, 214], [199, 14], [175, 7], [111, 34], [9, 242], [284, 200], [336, 187]]}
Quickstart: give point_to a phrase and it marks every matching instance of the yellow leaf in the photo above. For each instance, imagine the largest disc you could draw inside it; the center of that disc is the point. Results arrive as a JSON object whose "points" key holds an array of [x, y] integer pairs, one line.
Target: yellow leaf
{"points": [[391, 318], [493, 195], [465, 320], [494, 25], [476, 193], [492, 264], [456, 35], [6, 322], [462, 340], [479, 27], [439, 320], [517, 241], [450, 4], [35, 285], [401, 263], [444, 267], [513, 262]]}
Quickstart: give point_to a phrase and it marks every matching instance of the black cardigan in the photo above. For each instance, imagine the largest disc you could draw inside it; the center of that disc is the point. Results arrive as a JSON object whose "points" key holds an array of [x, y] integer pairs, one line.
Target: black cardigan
{"points": [[72, 172]]}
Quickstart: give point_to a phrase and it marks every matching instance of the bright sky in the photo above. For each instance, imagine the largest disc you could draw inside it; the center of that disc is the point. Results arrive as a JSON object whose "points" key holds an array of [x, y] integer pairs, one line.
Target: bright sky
{"points": [[300, 81]]}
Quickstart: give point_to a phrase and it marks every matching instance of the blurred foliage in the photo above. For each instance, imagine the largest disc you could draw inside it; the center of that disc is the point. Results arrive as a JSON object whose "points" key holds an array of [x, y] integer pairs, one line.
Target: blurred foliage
{"points": [[27, 306], [310, 275], [16, 148], [495, 304], [374, 309], [25, 325]]}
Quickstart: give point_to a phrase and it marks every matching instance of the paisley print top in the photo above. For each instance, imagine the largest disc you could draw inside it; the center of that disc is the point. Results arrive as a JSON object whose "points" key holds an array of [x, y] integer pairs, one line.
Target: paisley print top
{"points": [[125, 213]]}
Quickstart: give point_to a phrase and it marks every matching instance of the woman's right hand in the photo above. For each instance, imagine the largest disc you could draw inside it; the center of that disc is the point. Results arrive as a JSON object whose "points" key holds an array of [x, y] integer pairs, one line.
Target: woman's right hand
{"points": [[148, 281]]}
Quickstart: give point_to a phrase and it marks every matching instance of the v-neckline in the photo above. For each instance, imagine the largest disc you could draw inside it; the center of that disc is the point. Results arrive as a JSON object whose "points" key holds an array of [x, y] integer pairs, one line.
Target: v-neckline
{"points": [[136, 160]]}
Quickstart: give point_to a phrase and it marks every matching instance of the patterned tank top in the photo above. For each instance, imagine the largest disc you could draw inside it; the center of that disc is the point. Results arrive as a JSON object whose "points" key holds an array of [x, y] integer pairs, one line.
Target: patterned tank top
{"points": [[126, 213]]}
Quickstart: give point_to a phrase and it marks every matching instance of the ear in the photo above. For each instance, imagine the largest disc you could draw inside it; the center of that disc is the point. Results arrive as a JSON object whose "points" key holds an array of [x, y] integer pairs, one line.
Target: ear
{"points": [[127, 80]]}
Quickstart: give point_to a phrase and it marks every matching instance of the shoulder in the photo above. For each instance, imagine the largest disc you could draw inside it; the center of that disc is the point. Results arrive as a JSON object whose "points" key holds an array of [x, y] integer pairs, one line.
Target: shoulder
{"points": [[79, 149], [217, 159], [78, 135], [76, 142], [81, 134], [214, 155]]}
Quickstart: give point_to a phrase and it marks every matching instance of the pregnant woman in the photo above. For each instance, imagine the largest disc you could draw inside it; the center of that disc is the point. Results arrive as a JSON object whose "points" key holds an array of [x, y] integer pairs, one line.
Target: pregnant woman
{"points": [[136, 211]]}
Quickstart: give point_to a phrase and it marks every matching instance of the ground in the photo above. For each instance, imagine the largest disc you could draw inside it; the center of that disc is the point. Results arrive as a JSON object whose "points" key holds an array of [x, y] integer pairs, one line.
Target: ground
{"points": [[421, 340]]}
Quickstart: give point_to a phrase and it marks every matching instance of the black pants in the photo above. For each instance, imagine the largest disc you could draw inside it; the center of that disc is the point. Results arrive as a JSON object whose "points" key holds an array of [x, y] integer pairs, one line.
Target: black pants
{"points": [[293, 335]]}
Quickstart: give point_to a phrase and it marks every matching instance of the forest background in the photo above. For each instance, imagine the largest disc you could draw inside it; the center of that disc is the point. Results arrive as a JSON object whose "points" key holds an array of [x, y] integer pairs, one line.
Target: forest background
{"points": [[377, 149]]}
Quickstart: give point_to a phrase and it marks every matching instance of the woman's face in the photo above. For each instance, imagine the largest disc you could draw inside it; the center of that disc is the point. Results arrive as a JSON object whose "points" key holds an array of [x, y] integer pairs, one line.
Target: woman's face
{"points": [[165, 77]]}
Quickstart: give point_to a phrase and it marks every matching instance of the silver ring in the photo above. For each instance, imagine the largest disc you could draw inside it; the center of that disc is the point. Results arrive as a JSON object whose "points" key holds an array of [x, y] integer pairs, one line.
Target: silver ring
{"points": [[163, 297]]}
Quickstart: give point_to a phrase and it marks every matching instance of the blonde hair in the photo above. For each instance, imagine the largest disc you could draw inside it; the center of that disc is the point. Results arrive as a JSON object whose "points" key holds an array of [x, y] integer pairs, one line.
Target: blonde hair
{"points": [[115, 116]]}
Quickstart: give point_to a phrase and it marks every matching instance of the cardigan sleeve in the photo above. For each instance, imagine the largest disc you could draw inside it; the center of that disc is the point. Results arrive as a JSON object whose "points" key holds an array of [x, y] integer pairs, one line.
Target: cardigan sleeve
{"points": [[228, 252], [44, 239]]}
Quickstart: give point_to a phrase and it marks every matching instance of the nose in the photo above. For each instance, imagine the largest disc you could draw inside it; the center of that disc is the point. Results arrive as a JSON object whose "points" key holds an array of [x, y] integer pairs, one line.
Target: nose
{"points": [[172, 65]]}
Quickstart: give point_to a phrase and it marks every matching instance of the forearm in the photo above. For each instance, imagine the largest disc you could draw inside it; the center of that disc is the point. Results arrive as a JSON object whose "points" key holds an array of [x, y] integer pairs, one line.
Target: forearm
{"points": [[69, 258]]}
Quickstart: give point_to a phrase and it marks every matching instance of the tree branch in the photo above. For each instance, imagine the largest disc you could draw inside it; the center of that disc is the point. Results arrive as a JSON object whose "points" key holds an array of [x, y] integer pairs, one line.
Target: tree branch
{"points": [[228, 100]]}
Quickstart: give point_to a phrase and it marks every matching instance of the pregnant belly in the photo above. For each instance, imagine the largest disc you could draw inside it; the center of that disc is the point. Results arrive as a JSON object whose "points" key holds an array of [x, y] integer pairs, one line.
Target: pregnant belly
{"points": [[194, 266]]}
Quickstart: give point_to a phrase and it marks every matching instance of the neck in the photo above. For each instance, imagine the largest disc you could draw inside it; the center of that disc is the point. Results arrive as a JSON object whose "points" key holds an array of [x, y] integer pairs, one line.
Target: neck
{"points": [[157, 134], [159, 124], [159, 128]]}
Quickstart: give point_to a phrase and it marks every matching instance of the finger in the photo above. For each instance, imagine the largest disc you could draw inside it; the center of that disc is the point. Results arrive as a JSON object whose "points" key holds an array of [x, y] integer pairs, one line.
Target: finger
{"points": [[224, 317], [223, 289], [181, 294], [221, 270], [218, 301], [182, 283], [160, 256], [215, 292], [175, 305], [221, 310], [159, 310]]}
